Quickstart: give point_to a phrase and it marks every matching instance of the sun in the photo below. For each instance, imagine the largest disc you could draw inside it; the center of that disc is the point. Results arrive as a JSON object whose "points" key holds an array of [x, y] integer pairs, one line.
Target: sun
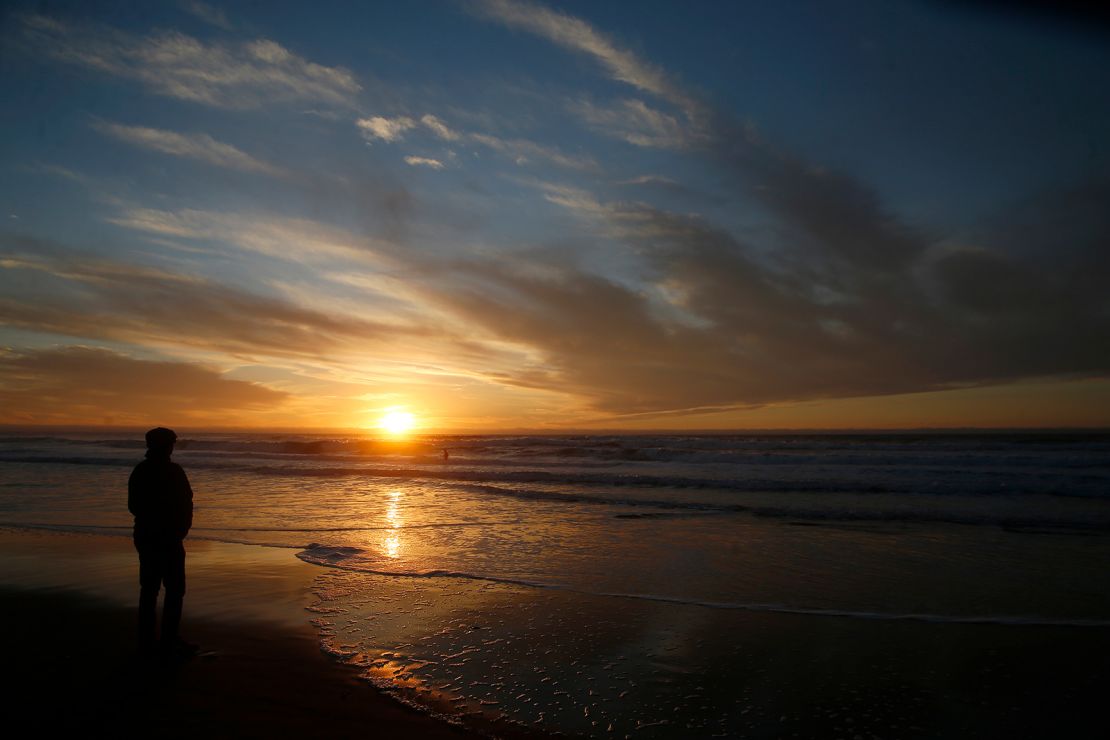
{"points": [[397, 423]]}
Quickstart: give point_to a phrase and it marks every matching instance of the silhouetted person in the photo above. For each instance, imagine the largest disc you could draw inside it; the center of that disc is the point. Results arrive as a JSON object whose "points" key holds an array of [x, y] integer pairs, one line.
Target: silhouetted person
{"points": [[159, 495]]}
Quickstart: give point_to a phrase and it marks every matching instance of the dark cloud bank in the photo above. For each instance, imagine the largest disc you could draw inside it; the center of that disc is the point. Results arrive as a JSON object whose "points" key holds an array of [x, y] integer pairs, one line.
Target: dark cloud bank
{"points": [[846, 300], [63, 384], [853, 302]]}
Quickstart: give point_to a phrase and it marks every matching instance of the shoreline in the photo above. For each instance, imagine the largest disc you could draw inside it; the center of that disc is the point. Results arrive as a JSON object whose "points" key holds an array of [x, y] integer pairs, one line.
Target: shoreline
{"points": [[69, 603], [261, 672]]}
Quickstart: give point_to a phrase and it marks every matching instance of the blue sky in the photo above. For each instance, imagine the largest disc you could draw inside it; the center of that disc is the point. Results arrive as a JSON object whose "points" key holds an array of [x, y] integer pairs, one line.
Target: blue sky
{"points": [[502, 214]]}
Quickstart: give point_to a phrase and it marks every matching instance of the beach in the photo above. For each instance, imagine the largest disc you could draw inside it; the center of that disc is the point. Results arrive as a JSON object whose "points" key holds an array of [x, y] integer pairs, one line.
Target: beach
{"points": [[514, 368], [260, 672], [664, 587]]}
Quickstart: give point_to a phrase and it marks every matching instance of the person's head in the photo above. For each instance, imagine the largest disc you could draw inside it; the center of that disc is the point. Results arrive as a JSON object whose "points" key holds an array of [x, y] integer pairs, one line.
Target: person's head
{"points": [[159, 441]]}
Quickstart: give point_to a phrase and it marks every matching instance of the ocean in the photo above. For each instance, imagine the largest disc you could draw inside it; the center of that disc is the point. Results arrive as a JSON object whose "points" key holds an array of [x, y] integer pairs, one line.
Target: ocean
{"points": [[642, 585]]}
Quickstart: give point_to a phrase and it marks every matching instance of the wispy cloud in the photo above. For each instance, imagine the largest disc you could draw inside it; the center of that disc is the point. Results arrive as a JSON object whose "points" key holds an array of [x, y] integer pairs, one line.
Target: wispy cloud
{"points": [[64, 173], [674, 189], [243, 75], [106, 299], [191, 146], [346, 334], [520, 151], [293, 239], [207, 13], [523, 151], [435, 164], [635, 122], [439, 128], [574, 199], [579, 36], [661, 180], [385, 129]]}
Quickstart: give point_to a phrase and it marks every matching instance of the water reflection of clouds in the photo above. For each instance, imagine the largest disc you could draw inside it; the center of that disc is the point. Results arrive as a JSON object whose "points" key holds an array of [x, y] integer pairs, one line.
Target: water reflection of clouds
{"points": [[395, 520]]}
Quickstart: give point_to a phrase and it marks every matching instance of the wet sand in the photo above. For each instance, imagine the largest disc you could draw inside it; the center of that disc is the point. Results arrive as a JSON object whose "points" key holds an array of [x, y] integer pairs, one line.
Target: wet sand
{"points": [[693, 672], [71, 659], [68, 617]]}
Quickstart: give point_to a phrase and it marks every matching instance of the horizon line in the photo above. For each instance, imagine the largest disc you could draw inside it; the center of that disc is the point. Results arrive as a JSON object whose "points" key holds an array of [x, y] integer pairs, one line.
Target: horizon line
{"points": [[577, 431]]}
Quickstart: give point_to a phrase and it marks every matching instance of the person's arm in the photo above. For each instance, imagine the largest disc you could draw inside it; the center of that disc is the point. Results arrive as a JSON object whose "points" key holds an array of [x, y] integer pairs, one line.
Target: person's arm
{"points": [[186, 502], [134, 493]]}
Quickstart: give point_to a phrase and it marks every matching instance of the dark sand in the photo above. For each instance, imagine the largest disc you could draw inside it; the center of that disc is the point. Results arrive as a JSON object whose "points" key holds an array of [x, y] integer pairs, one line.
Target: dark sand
{"points": [[71, 661], [74, 668]]}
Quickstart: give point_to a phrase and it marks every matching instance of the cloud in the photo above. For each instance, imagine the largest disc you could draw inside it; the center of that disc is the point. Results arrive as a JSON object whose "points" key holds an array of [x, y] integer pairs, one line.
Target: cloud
{"points": [[207, 13], [674, 190], [371, 335], [243, 75], [79, 384], [191, 146], [54, 290], [280, 237], [439, 128], [635, 122], [575, 199], [64, 173], [435, 164], [631, 120], [717, 324], [523, 151], [845, 299], [386, 129], [578, 36]]}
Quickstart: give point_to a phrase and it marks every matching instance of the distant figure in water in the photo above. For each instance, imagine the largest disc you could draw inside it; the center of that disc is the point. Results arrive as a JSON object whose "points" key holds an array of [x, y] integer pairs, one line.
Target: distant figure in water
{"points": [[159, 495], [445, 455]]}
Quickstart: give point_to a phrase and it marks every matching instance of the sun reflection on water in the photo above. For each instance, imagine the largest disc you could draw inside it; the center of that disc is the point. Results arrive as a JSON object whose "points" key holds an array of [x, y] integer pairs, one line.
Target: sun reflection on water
{"points": [[395, 520]]}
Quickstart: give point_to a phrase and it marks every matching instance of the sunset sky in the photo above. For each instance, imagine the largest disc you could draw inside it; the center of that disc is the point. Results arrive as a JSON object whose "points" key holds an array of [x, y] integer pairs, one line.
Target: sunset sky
{"points": [[500, 215]]}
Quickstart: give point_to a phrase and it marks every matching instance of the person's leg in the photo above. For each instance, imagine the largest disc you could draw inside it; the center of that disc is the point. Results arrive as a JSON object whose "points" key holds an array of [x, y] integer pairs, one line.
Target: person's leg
{"points": [[150, 580], [174, 577]]}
